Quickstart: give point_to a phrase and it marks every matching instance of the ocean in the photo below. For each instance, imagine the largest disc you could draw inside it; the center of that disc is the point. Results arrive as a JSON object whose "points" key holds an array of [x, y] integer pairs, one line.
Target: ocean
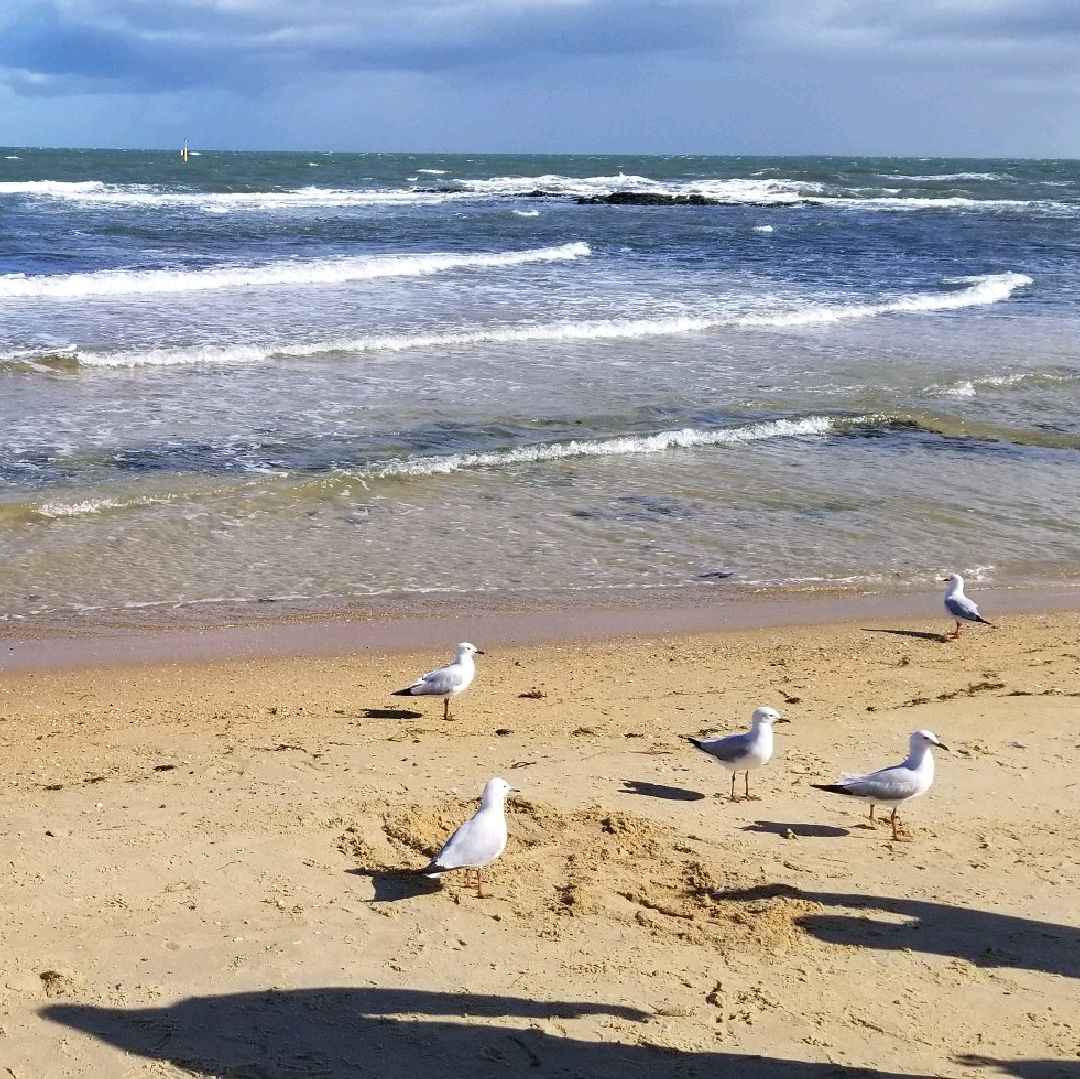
{"points": [[317, 377]]}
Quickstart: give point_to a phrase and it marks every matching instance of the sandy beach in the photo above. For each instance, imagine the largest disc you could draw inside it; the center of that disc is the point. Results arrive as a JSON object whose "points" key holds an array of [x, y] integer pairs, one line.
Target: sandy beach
{"points": [[207, 863]]}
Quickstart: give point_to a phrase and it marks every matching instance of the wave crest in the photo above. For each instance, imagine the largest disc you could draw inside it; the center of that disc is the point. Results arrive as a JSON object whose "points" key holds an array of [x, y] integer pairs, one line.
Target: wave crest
{"points": [[330, 271], [979, 291]]}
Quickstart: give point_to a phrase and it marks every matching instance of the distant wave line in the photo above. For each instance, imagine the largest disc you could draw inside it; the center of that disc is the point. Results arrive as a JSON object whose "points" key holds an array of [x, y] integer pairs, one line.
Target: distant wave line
{"points": [[754, 189]]}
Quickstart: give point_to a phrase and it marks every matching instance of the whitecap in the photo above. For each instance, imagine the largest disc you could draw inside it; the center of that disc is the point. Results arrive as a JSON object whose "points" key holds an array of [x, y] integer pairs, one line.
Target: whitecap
{"points": [[976, 291], [329, 271]]}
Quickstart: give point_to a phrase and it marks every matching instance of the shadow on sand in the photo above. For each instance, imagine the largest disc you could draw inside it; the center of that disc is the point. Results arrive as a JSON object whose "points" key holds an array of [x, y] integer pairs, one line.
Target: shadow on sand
{"points": [[660, 790], [802, 831], [392, 713], [919, 634], [981, 937], [347, 1033]]}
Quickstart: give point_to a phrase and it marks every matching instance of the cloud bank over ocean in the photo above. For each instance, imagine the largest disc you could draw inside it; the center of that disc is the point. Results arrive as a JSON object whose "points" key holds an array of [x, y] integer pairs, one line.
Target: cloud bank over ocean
{"points": [[696, 75]]}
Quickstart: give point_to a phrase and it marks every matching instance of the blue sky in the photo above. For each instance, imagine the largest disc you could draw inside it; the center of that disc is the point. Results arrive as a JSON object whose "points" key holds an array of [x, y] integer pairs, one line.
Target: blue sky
{"points": [[921, 77]]}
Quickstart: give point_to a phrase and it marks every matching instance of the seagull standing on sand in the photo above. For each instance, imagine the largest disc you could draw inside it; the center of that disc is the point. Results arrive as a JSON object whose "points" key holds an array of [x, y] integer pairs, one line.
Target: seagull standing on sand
{"points": [[447, 682], [896, 785], [960, 607], [743, 752], [480, 840]]}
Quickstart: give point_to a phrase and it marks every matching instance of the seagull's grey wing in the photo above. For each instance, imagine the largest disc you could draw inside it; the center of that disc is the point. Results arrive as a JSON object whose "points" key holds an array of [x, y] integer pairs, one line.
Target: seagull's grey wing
{"points": [[728, 749], [438, 682], [962, 607], [899, 781], [477, 841]]}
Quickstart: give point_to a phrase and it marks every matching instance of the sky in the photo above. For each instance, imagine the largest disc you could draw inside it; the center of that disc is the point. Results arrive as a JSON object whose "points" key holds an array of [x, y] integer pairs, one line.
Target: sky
{"points": [[978, 78]]}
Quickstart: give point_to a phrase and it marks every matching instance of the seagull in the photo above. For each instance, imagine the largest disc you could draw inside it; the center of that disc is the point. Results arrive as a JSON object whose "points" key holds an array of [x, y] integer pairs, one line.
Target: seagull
{"points": [[960, 607], [480, 840], [896, 785], [742, 752], [447, 682]]}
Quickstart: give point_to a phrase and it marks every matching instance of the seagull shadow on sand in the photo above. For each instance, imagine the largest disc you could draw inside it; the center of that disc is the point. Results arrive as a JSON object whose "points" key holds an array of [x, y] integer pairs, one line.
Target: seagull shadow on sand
{"points": [[983, 938], [801, 831], [918, 634], [352, 1033], [394, 885], [392, 713], [660, 790]]}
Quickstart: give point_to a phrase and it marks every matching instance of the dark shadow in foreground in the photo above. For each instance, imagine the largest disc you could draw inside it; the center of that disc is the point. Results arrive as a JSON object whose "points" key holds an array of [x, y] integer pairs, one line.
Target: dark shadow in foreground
{"points": [[981, 937], [342, 1033], [660, 790], [1025, 1069], [920, 634], [802, 831]]}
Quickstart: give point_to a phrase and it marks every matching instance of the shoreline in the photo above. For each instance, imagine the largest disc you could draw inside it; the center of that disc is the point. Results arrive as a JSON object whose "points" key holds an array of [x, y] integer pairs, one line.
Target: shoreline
{"points": [[398, 628]]}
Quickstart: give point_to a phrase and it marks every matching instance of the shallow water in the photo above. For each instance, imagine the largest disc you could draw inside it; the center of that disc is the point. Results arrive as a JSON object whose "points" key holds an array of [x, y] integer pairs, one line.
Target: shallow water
{"points": [[329, 376]]}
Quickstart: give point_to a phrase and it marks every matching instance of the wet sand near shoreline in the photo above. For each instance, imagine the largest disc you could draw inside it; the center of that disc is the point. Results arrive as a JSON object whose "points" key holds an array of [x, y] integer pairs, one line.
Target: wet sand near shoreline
{"points": [[206, 858]]}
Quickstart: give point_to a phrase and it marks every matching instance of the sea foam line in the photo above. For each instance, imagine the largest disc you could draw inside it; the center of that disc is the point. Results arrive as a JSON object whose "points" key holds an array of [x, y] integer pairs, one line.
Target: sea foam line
{"points": [[331, 271], [96, 193], [685, 438], [976, 291]]}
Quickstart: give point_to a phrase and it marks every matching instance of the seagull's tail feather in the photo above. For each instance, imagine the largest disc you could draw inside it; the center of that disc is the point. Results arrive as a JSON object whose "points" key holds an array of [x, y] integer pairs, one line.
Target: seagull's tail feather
{"points": [[984, 622], [695, 742], [831, 788], [432, 872], [406, 692]]}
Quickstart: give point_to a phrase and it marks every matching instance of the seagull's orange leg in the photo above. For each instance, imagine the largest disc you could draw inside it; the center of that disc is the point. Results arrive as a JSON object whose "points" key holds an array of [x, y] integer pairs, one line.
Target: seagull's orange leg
{"points": [[479, 886], [897, 835], [733, 798], [446, 708], [872, 820]]}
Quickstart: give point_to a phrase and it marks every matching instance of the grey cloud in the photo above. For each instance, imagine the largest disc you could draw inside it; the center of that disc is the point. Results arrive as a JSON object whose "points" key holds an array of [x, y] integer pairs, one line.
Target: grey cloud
{"points": [[129, 45]]}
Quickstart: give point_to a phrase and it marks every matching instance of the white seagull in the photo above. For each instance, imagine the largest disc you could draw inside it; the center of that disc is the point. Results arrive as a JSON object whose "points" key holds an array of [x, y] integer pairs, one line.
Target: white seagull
{"points": [[743, 752], [896, 785], [960, 607], [446, 682], [480, 840]]}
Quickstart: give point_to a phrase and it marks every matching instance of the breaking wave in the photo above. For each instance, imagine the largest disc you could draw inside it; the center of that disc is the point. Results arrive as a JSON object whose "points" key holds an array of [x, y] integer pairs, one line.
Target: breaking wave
{"points": [[330, 271], [958, 294]]}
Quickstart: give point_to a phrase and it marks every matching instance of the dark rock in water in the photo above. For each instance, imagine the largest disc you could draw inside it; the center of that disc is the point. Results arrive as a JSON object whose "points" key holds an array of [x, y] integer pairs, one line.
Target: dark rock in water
{"points": [[716, 575], [645, 198], [656, 198]]}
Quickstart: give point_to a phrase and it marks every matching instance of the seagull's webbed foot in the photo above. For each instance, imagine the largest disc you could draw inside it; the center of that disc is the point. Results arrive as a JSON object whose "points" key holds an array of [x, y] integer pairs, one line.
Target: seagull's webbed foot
{"points": [[899, 833]]}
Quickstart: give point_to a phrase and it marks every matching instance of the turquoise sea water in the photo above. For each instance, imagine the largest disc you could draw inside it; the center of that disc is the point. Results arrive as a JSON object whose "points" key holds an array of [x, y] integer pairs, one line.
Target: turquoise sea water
{"points": [[323, 376]]}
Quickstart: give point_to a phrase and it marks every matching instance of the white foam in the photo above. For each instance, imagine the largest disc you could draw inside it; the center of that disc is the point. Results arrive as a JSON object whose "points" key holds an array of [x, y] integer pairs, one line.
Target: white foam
{"points": [[961, 389], [525, 213], [981, 290], [953, 176], [763, 228], [90, 506], [970, 387], [96, 193], [951, 203], [332, 271], [686, 438], [738, 190], [75, 509]]}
